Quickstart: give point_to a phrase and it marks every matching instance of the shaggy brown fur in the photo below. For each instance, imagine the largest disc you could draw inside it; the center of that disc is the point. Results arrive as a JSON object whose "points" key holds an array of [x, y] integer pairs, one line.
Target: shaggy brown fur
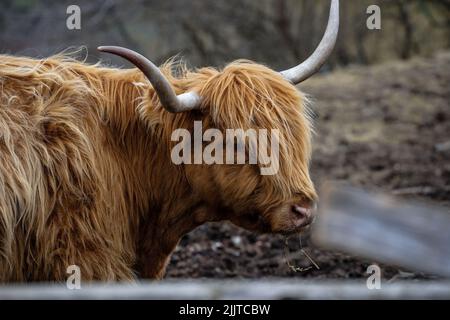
{"points": [[85, 171]]}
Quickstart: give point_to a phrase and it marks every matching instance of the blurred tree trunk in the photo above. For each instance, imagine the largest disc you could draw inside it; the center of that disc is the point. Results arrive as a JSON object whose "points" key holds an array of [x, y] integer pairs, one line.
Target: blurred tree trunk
{"points": [[405, 20], [343, 56], [284, 24]]}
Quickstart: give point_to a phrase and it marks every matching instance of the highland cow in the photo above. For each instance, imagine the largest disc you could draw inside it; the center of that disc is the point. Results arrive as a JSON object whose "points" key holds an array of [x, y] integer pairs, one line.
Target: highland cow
{"points": [[86, 176]]}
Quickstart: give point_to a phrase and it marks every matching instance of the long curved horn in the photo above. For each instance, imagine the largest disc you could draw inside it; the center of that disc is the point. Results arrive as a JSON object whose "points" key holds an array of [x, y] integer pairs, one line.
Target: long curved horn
{"points": [[169, 100], [313, 64]]}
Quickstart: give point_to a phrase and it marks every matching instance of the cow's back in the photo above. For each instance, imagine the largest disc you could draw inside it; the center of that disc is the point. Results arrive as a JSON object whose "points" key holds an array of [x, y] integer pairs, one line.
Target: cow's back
{"points": [[50, 180]]}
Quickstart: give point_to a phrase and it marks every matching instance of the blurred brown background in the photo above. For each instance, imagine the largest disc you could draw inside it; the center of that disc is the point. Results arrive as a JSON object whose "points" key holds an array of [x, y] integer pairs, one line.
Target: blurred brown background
{"points": [[205, 32]]}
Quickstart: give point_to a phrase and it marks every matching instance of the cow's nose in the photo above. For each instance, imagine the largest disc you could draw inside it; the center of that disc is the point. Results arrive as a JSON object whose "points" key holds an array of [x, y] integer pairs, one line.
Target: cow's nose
{"points": [[304, 216], [301, 212]]}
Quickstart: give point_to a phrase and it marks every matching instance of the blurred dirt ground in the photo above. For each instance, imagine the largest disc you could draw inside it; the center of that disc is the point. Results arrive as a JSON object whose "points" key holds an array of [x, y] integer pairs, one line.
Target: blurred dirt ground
{"points": [[384, 127]]}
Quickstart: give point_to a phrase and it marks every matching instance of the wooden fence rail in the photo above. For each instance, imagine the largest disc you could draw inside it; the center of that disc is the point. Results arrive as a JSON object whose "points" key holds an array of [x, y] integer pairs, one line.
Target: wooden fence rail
{"points": [[383, 228], [234, 290]]}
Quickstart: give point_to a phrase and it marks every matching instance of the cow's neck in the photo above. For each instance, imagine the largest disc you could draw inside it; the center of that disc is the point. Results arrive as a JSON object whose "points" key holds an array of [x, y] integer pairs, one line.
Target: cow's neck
{"points": [[166, 206], [159, 237]]}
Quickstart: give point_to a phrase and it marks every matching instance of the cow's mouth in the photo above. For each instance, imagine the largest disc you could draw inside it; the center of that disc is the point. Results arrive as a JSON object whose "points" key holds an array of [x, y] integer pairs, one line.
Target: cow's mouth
{"points": [[295, 230], [294, 223], [278, 221], [257, 223]]}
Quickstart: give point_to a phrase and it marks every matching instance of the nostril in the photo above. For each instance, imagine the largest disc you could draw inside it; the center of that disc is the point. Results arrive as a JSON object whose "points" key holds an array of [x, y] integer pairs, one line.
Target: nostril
{"points": [[301, 212]]}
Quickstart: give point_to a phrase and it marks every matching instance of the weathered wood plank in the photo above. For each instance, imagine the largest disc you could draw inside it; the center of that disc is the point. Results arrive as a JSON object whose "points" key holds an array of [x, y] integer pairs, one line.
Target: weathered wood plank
{"points": [[408, 234], [234, 290]]}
